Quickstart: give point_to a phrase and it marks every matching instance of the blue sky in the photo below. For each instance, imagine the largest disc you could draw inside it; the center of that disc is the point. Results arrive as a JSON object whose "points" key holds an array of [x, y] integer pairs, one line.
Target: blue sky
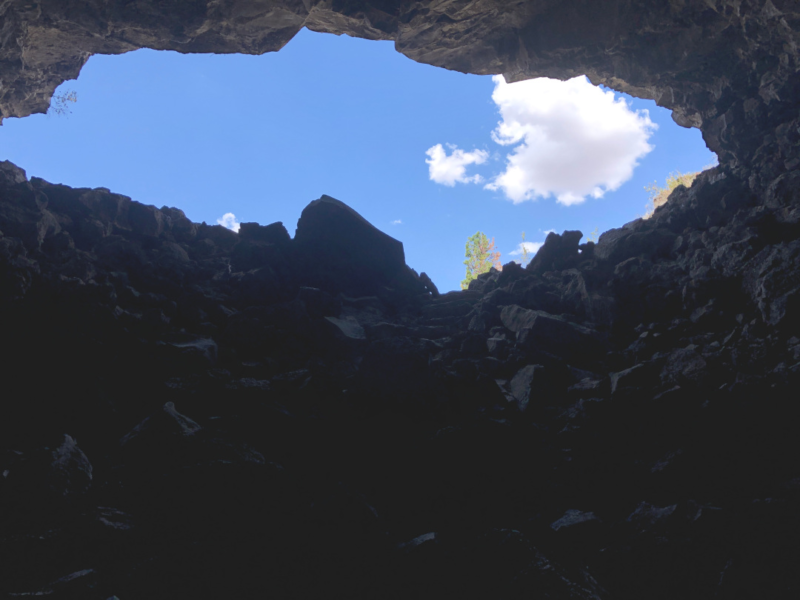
{"points": [[262, 136]]}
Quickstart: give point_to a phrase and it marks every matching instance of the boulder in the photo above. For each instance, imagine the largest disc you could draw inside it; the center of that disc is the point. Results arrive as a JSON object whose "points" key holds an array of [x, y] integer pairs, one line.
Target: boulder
{"points": [[429, 285], [199, 352], [527, 384], [263, 246], [559, 252], [340, 251], [623, 243], [11, 174], [159, 434], [146, 220], [541, 331], [630, 381], [49, 478], [772, 281], [348, 327], [23, 210], [573, 518], [274, 233], [647, 516]]}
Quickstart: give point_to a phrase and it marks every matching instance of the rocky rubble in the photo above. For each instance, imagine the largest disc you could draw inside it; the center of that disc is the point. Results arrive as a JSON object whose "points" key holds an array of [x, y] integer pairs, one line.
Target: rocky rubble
{"points": [[193, 413], [187, 412]]}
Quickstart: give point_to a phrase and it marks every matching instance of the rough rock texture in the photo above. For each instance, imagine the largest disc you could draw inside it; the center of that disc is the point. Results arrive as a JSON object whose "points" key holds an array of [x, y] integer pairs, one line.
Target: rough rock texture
{"points": [[729, 67], [190, 413], [184, 415]]}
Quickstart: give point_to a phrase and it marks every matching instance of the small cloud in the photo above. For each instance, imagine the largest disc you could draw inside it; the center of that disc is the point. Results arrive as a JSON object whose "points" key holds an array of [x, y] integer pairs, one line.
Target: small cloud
{"points": [[451, 169], [531, 247], [228, 221], [397, 222], [548, 231]]}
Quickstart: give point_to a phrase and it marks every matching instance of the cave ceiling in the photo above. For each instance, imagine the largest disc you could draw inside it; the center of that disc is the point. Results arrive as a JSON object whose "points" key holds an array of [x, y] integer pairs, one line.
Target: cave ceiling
{"points": [[728, 67]]}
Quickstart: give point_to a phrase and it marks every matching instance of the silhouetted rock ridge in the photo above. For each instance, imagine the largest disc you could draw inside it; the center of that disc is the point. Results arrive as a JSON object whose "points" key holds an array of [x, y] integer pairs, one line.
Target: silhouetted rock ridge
{"points": [[193, 413]]}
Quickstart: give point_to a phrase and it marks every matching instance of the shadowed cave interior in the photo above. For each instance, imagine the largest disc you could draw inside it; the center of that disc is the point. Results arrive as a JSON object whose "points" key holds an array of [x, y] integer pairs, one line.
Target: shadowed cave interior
{"points": [[191, 413]]}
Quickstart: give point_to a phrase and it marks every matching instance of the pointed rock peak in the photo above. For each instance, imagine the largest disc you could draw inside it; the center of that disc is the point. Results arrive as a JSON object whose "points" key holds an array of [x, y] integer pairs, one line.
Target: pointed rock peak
{"points": [[327, 207], [340, 251], [11, 173]]}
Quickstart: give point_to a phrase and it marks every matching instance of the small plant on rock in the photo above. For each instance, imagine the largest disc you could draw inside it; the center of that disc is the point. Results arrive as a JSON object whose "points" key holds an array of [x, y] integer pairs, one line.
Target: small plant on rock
{"points": [[658, 196]]}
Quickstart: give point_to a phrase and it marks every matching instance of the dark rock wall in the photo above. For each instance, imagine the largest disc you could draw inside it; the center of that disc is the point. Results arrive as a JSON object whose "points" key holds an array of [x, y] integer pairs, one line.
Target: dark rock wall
{"points": [[187, 412], [729, 67], [190, 413]]}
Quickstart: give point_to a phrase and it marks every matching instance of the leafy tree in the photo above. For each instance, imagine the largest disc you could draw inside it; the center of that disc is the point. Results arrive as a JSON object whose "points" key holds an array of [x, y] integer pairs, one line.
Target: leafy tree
{"points": [[481, 256], [658, 195], [594, 236]]}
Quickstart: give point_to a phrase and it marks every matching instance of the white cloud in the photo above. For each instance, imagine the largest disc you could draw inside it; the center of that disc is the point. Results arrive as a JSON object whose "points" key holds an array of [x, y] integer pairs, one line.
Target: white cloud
{"points": [[397, 222], [531, 247], [451, 169], [548, 231], [572, 139], [228, 221]]}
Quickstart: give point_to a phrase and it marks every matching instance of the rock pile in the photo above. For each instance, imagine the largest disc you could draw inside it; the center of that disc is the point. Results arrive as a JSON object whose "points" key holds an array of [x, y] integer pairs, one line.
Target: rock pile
{"points": [[193, 413], [190, 413]]}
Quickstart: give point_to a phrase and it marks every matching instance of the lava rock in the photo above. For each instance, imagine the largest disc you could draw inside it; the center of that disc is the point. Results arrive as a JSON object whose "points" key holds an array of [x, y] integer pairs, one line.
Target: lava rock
{"points": [[339, 251]]}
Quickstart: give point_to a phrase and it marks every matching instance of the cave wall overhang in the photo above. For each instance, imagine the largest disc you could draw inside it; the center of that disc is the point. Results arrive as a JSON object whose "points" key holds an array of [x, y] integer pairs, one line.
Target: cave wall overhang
{"points": [[729, 67]]}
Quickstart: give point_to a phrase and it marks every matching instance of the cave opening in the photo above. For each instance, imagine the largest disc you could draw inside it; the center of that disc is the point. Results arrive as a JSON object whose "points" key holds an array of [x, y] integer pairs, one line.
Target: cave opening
{"points": [[191, 413], [232, 138]]}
